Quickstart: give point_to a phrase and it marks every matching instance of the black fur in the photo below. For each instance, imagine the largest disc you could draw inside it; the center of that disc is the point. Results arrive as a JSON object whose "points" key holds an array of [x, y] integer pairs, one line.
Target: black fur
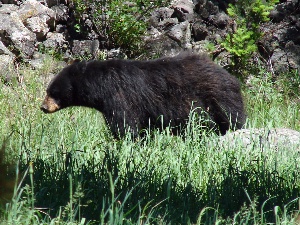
{"points": [[139, 93]]}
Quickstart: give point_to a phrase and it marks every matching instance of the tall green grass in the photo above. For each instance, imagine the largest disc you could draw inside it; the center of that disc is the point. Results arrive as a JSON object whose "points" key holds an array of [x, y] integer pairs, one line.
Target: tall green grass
{"points": [[71, 171]]}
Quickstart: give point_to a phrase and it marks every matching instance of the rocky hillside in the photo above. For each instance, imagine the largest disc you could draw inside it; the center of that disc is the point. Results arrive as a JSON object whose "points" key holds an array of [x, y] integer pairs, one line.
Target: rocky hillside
{"points": [[29, 27]]}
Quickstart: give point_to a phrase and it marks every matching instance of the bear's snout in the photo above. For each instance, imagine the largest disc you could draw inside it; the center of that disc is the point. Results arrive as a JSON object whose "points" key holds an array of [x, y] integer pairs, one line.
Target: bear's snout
{"points": [[49, 105], [44, 108]]}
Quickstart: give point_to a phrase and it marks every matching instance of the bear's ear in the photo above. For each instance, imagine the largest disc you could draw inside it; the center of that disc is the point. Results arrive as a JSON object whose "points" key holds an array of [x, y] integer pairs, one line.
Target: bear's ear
{"points": [[79, 67], [72, 61]]}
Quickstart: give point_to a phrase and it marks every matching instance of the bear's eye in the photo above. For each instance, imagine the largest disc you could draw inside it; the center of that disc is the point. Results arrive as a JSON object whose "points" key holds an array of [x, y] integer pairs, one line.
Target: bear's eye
{"points": [[54, 94]]}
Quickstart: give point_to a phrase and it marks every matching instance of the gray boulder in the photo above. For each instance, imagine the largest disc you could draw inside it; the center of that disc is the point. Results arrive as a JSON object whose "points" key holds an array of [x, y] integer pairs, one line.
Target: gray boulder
{"points": [[276, 139], [159, 15], [61, 12], [38, 26], [13, 32], [8, 8], [55, 41], [6, 63], [220, 20], [4, 50], [33, 8], [84, 48], [200, 31], [167, 24], [22, 27], [157, 43], [37, 17], [184, 10], [181, 33], [206, 8]]}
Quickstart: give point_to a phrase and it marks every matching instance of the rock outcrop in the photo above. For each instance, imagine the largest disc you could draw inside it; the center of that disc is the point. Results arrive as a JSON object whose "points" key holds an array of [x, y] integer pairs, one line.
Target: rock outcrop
{"points": [[31, 26]]}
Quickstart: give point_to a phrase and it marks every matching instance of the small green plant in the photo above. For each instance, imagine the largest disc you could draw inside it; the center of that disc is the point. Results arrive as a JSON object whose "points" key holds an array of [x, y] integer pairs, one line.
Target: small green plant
{"points": [[247, 15], [118, 23]]}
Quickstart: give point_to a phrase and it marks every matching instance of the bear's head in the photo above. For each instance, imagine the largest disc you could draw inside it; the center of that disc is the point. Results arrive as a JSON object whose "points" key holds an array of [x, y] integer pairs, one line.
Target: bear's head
{"points": [[61, 91]]}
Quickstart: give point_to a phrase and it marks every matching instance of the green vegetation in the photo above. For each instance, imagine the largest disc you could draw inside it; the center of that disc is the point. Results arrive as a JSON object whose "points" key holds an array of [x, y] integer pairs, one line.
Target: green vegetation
{"points": [[66, 168], [241, 42], [118, 23], [71, 171]]}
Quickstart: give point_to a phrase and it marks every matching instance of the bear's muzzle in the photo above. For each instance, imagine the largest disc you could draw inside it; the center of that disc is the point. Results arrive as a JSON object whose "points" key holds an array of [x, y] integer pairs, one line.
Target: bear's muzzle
{"points": [[49, 105]]}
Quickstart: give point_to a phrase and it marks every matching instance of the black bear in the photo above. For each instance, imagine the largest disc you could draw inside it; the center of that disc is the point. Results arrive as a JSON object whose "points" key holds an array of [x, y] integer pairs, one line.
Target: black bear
{"points": [[136, 95]]}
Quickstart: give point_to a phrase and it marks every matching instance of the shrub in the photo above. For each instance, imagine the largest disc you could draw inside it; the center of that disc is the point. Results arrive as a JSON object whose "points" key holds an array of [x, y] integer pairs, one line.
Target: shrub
{"points": [[241, 42], [118, 23]]}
